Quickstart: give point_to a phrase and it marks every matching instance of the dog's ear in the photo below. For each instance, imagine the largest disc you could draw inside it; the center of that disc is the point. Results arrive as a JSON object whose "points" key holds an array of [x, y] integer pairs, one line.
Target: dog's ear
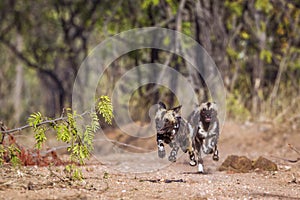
{"points": [[161, 105], [196, 105], [214, 106], [177, 110], [202, 106]]}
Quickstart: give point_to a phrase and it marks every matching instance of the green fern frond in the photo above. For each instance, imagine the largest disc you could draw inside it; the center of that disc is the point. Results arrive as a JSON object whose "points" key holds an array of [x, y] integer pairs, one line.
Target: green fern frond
{"points": [[105, 108], [62, 132], [40, 137], [79, 153], [73, 172], [35, 119], [95, 122], [89, 137]]}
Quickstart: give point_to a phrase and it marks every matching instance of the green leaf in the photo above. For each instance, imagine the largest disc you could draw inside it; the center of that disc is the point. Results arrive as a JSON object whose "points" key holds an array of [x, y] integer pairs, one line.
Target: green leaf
{"points": [[106, 175], [62, 132], [147, 3], [174, 6], [244, 35], [104, 107], [95, 122], [266, 55], [231, 52], [35, 119], [186, 28], [263, 5], [73, 172], [40, 137], [235, 7]]}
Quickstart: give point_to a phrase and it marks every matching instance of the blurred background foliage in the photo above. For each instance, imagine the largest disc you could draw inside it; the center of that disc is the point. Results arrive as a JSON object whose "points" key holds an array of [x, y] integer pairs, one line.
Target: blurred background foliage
{"points": [[255, 45]]}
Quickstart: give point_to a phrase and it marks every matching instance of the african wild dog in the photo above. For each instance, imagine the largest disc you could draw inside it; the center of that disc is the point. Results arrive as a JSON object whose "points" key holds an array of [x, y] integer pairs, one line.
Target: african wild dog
{"points": [[206, 131], [172, 129]]}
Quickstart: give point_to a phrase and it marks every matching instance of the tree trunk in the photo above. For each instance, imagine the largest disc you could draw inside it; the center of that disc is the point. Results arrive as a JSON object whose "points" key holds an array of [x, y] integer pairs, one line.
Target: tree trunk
{"points": [[18, 109]]}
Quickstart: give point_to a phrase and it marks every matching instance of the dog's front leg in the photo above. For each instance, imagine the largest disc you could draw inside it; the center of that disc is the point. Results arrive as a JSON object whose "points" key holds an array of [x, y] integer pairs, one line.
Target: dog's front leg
{"points": [[190, 149], [193, 161], [211, 147], [198, 146], [160, 145], [216, 154], [173, 152]]}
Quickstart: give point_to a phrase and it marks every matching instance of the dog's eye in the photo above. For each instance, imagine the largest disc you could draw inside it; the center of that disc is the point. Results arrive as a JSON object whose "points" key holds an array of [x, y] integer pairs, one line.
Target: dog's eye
{"points": [[166, 120]]}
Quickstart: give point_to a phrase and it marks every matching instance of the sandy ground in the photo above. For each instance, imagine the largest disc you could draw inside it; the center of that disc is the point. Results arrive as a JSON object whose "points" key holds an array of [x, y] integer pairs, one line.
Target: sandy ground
{"points": [[176, 181]]}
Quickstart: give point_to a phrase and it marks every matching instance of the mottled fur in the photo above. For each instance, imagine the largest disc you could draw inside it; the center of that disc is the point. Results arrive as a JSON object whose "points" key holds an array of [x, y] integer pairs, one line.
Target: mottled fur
{"points": [[172, 129], [206, 131]]}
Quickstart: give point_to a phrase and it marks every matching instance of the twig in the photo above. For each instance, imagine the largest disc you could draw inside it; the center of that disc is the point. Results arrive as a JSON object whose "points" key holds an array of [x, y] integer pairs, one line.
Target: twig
{"points": [[287, 160], [8, 182], [294, 179], [165, 22], [293, 148], [105, 189], [56, 148], [56, 175], [293, 118], [2, 129], [287, 109], [163, 180], [123, 144], [108, 140], [282, 67]]}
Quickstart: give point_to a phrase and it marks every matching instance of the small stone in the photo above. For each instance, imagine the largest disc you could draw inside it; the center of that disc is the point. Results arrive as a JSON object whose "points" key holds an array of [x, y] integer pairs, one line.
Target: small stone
{"points": [[287, 168]]}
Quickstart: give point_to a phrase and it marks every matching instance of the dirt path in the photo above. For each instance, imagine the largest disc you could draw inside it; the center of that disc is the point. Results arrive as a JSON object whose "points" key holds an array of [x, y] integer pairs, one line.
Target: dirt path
{"points": [[177, 181]]}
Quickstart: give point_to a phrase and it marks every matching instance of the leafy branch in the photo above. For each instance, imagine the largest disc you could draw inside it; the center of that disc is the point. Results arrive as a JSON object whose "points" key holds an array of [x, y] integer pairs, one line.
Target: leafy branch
{"points": [[69, 130], [45, 121]]}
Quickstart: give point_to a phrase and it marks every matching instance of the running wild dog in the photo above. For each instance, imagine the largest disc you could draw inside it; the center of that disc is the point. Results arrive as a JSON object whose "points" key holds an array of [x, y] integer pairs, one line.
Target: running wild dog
{"points": [[206, 131], [174, 130]]}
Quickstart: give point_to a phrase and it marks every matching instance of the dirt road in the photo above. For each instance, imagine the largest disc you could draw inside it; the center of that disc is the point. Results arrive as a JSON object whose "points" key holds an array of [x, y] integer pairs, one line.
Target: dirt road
{"points": [[178, 180]]}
